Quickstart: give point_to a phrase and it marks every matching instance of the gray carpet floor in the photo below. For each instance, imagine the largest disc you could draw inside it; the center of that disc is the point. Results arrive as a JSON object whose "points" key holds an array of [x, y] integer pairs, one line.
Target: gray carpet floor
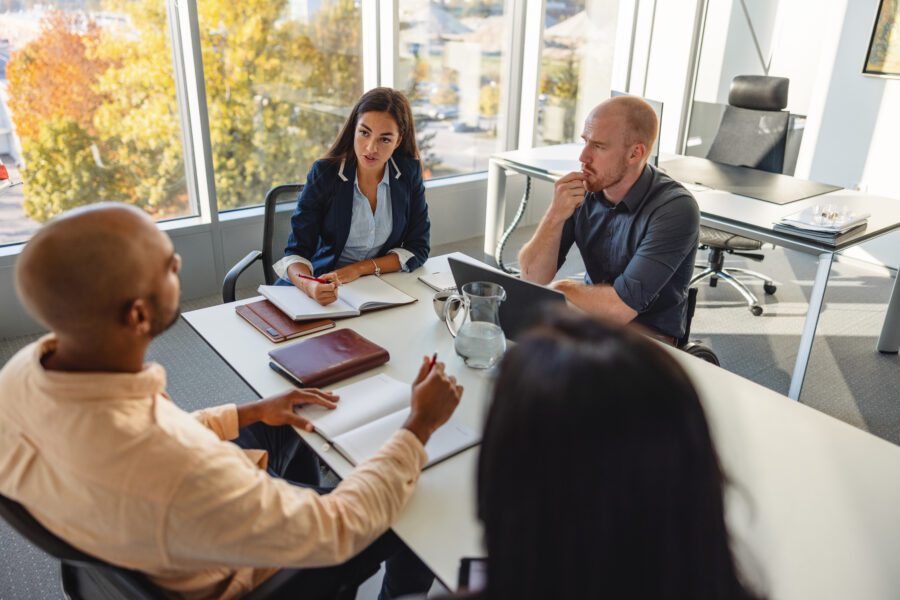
{"points": [[847, 378]]}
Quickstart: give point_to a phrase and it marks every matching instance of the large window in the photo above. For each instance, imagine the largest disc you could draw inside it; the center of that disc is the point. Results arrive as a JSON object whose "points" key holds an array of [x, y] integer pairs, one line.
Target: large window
{"points": [[88, 107], [576, 66], [450, 66], [281, 77], [87, 111]]}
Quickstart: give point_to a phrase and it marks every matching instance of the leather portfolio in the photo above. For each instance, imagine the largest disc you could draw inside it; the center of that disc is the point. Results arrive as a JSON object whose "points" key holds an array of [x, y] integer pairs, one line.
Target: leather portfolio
{"points": [[327, 358], [275, 325]]}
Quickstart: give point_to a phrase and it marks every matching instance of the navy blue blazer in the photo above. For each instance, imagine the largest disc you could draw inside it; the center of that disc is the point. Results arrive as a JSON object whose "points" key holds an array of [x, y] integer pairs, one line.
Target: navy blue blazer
{"points": [[321, 222]]}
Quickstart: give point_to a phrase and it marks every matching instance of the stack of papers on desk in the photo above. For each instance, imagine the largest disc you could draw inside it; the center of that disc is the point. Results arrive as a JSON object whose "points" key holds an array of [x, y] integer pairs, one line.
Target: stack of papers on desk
{"points": [[822, 224]]}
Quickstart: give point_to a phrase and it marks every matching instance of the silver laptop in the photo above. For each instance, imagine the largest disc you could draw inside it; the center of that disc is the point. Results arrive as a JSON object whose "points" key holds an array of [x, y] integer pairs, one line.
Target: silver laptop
{"points": [[523, 299]]}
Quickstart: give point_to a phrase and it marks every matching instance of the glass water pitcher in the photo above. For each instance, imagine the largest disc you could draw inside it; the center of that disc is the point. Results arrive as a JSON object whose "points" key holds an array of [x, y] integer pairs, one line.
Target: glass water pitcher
{"points": [[479, 340]]}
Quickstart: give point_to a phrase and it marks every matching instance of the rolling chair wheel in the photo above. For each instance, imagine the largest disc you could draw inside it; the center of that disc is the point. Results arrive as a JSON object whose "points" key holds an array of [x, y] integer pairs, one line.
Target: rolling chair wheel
{"points": [[769, 287], [702, 352], [756, 309]]}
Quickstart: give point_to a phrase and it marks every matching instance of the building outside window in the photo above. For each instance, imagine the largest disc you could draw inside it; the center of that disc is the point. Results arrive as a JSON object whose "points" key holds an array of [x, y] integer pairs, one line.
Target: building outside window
{"points": [[576, 65], [450, 57]]}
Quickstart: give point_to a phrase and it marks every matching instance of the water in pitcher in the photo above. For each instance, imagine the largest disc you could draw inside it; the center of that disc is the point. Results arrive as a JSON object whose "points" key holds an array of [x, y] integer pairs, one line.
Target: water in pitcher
{"points": [[480, 343]]}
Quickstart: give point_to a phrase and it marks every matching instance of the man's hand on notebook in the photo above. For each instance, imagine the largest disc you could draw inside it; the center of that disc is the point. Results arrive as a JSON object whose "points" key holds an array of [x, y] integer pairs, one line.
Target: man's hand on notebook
{"points": [[279, 409], [435, 396]]}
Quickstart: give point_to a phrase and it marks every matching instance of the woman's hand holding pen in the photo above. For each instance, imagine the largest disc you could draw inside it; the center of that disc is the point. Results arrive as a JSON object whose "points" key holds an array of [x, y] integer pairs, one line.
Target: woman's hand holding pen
{"points": [[321, 289], [434, 398]]}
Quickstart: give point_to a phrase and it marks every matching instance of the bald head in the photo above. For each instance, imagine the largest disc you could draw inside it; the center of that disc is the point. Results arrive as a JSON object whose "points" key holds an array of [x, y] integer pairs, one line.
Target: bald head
{"points": [[83, 269], [638, 119]]}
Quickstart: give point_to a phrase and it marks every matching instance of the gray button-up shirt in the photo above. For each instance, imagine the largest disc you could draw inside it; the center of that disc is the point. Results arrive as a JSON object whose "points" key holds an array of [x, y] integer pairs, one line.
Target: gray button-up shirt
{"points": [[644, 247], [368, 231]]}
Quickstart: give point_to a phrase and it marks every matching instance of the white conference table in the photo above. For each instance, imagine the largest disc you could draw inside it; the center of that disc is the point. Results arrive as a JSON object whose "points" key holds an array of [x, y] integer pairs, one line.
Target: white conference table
{"points": [[729, 212], [812, 500]]}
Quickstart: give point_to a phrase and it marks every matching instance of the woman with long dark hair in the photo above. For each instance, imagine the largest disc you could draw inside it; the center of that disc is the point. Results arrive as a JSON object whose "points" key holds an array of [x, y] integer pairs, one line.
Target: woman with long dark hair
{"points": [[362, 210], [636, 507]]}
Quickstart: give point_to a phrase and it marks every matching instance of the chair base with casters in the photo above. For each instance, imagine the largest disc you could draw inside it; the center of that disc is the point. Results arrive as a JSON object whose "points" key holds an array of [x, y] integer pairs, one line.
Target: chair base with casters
{"points": [[720, 242], [693, 347]]}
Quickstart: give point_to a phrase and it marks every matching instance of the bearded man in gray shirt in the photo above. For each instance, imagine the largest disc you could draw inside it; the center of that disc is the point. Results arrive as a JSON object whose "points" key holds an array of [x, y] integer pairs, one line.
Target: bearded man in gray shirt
{"points": [[636, 228]]}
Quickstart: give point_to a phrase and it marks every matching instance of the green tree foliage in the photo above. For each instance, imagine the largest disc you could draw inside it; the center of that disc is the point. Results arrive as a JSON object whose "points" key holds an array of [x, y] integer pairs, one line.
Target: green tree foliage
{"points": [[61, 168], [277, 92]]}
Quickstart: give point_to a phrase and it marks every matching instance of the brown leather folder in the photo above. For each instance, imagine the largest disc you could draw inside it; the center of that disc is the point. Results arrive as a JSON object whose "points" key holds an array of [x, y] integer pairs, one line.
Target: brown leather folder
{"points": [[327, 358], [275, 325]]}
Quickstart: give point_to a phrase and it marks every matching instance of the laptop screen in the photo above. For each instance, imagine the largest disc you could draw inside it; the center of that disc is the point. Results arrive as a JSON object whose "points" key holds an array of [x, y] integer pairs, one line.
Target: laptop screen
{"points": [[523, 298]]}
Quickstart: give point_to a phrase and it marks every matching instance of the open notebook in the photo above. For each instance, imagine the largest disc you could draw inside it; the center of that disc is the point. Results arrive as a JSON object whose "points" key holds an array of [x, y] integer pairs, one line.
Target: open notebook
{"points": [[366, 293], [368, 414]]}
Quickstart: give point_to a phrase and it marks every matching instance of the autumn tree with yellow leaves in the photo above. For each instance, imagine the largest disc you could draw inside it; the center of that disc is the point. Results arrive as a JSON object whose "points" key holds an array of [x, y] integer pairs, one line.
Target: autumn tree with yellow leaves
{"points": [[95, 108]]}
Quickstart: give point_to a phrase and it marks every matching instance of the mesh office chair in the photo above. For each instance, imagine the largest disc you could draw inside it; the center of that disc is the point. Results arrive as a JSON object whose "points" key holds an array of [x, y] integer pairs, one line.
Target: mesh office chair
{"points": [[753, 133], [277, 195]]}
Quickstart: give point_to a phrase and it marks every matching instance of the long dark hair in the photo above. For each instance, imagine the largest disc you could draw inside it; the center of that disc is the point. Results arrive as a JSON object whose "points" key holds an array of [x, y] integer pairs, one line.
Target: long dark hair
{"points": [[381, 99], [597, 475]]}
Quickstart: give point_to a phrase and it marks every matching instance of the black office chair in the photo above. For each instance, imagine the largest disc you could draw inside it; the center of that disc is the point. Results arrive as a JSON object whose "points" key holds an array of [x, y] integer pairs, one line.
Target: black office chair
{"points": [[693, 347], [277, 195], [753, 133], [85, 577]]}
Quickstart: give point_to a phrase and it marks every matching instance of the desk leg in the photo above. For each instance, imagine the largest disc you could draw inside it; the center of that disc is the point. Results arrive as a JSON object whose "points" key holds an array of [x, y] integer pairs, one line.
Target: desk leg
{"points": [[495, 208], [889, 340], [809, 327]]}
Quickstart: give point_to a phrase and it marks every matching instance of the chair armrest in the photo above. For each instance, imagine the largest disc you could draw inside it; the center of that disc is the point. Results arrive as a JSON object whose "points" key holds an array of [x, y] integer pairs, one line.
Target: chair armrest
{"points": [[230, 283]]}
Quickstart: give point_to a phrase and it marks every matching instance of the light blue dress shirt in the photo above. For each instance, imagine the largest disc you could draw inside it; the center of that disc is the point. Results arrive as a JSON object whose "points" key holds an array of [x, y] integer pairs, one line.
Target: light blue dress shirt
{"points": [[368, 232]]}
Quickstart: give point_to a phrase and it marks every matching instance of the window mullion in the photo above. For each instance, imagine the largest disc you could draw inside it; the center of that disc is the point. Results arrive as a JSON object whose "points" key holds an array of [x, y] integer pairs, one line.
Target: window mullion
{"points": [[371, 44], [531, 71], [192, 102], [511, 92], [388, 41]]}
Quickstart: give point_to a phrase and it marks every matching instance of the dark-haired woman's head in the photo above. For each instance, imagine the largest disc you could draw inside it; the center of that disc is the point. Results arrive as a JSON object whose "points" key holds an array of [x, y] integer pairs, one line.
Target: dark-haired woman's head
{"points": [[597, 475], [380, 124]]}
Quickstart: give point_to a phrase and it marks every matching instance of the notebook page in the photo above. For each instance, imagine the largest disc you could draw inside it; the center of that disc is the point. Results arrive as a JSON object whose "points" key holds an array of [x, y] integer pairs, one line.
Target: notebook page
{"points": [[362, 443], [360, 403], [372, 292], [300, 307]]}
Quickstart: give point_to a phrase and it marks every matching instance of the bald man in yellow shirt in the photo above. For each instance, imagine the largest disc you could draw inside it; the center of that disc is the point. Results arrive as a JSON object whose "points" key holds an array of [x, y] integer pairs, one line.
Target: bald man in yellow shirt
{"points": [[93, 447]]}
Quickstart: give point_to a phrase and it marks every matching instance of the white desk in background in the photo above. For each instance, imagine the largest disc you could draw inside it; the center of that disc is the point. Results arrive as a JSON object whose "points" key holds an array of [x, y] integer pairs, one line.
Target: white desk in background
{"points": [[729, 212], [815, 500]]}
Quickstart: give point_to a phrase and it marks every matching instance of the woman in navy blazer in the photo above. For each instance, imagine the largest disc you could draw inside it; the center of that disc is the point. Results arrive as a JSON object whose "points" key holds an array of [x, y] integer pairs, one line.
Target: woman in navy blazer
{"points": [[362, 210]]}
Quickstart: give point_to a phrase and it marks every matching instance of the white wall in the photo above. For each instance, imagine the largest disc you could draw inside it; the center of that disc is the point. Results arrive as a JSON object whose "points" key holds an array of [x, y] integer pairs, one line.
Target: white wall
{"points": [[820, 45]]}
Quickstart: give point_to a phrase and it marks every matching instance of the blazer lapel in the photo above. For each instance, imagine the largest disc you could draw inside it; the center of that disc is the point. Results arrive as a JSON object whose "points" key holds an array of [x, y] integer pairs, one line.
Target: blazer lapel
{"points": [[399, 203], [343, 205]]}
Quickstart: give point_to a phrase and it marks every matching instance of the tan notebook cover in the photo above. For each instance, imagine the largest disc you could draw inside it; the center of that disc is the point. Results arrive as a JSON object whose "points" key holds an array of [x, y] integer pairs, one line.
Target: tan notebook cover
{"points": [[327, 358], [275, 325]]}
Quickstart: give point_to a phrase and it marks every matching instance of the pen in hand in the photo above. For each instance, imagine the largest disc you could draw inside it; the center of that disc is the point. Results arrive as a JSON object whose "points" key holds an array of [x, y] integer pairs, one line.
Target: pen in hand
{"points": [[431, 363], [316, 279]]}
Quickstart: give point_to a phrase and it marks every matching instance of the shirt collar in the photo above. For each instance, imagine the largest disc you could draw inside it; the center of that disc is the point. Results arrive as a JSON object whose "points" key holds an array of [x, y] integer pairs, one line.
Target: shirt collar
{"points": [[635, 196], [69, 385], [386, 169], [385, 179]]}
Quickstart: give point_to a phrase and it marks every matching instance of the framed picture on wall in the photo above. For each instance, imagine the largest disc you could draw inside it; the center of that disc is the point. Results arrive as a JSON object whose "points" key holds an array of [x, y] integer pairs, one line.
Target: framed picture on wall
{"points": [[883, 57]]}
